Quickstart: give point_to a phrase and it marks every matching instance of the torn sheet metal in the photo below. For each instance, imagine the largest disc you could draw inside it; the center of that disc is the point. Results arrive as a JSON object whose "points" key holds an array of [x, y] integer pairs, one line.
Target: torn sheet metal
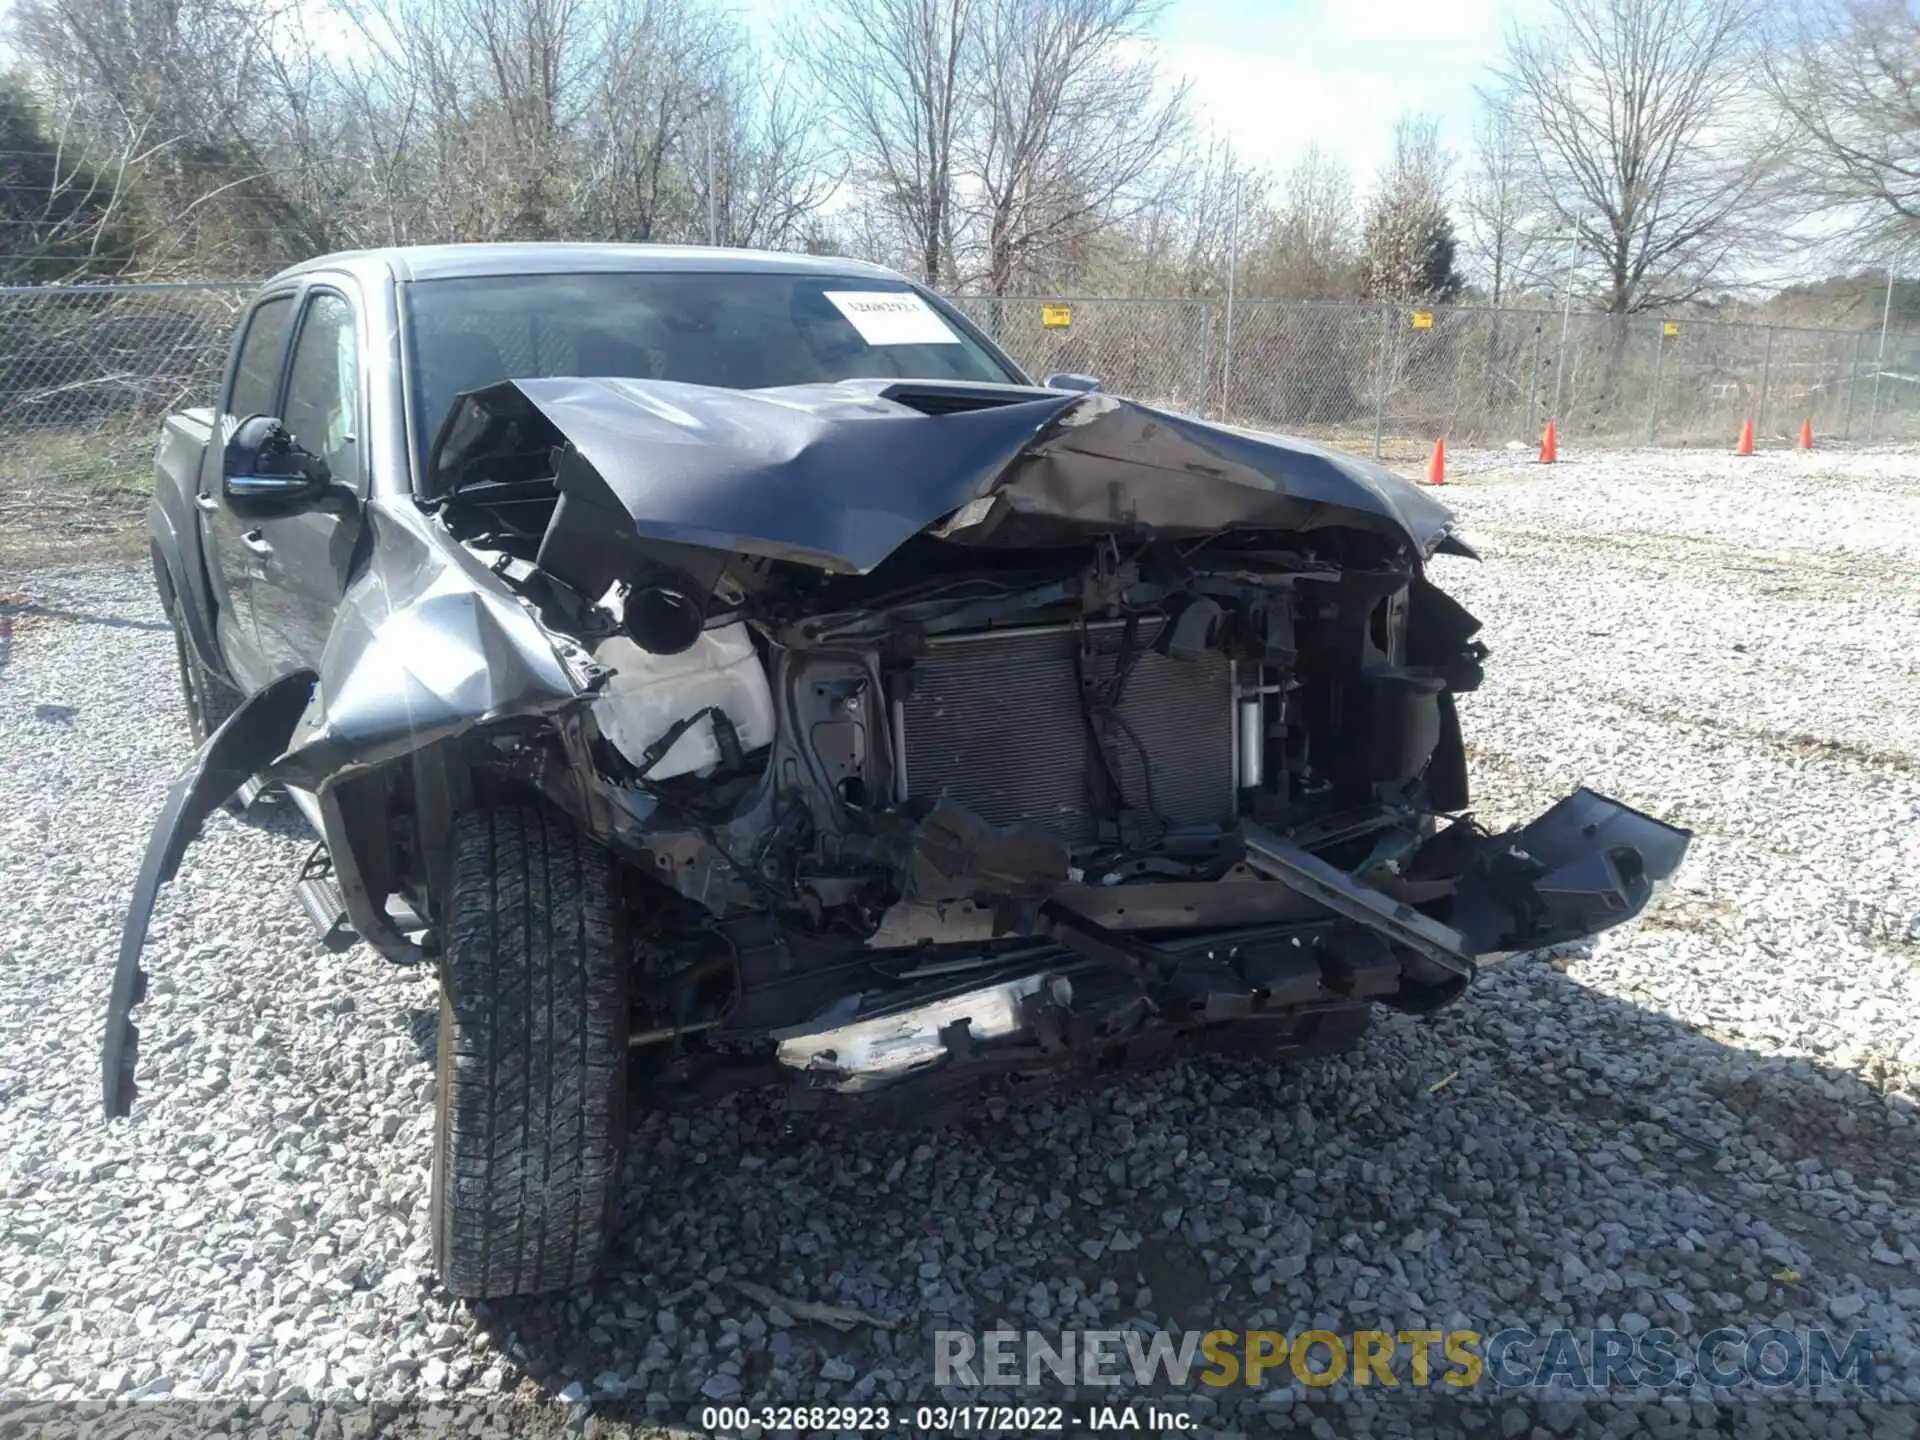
{"points": [[423, 649], [419, 653], [1586, 865]]}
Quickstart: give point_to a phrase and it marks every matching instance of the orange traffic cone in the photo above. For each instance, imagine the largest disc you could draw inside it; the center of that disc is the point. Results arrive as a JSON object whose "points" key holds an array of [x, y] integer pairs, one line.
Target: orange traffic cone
{"points": [[1437, 466], [1549, 447], [1745, 447], [1806, 433]]}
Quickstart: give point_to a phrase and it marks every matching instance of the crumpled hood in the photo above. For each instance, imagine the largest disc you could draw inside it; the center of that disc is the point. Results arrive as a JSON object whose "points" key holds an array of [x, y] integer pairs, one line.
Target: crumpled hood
{"points": [[840, 476]]}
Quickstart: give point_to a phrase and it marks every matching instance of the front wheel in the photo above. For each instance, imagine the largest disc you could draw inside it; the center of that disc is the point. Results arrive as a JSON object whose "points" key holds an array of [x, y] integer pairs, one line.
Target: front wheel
{"points": [[209, 699], [530, 1123]]}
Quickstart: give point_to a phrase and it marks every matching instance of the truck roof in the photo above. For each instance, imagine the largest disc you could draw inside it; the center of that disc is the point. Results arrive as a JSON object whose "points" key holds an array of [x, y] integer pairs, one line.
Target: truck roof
{"points": [[441, 262]]}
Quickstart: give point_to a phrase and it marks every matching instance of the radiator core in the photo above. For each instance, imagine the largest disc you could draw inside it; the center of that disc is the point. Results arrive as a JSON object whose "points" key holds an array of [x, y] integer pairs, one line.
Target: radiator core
{"points": [[994, 722]]}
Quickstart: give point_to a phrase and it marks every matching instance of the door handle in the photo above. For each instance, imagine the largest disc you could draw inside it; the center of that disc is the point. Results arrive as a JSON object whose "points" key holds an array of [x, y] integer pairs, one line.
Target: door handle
{"points": [[256, 542], [206, 502]]}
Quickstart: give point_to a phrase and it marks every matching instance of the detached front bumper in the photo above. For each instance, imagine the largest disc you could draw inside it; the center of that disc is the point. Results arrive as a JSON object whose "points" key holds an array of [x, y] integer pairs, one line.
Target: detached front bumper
{"points": [[1586, 865]]}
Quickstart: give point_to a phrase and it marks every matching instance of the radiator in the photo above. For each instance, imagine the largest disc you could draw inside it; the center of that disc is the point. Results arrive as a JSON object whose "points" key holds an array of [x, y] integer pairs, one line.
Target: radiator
{"points": [[994, 723]]}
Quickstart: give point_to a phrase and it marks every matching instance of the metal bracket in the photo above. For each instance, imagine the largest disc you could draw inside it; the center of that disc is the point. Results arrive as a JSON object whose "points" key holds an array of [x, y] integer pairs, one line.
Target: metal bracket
{"points": [[1313, 877]]}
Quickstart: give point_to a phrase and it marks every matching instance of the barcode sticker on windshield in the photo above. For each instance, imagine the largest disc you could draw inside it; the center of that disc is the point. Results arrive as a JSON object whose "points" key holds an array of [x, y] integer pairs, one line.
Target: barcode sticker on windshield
{"points": [[890, 318]]}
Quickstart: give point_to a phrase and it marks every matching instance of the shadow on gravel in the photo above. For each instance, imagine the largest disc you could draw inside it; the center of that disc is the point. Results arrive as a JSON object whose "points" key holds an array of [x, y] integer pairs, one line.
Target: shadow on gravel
{"points": [[423, 1028], [272, 813], [17, 613], [33, 610], [1227, 1193]]}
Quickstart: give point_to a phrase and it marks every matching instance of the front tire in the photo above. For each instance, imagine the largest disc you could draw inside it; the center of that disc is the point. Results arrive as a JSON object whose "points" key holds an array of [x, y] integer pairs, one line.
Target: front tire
{"points": [[209, 699], [530, 1123]]}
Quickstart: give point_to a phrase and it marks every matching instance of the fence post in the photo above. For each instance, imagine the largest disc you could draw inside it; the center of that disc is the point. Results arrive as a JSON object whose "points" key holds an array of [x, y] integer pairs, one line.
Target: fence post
{"points": [[1853, 383], [1206, 340], [1873, 406], [1659, 360], [1380, 377], [1880, 361], [1766, 384], [1226, 362], [1533, 380], [1560, 363]]}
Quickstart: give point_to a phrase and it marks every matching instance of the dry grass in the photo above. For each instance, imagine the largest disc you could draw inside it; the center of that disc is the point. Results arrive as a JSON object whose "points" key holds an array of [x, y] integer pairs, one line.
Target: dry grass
{"points": [[74, 494]]}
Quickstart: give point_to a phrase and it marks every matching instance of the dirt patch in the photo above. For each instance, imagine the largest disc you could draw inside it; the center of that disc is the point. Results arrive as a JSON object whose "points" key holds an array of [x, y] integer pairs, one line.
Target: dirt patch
{"points": [[1695, 915], [1794, 1107], [51, 543], [1823, 573], [74, 494], [21, 613], [1814, 747], [1177, 1275]]}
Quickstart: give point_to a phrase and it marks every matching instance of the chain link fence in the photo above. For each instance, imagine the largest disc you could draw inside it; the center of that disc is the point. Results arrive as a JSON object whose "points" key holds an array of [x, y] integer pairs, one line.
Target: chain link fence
{"points": [[86, 374], [1391, 379]]}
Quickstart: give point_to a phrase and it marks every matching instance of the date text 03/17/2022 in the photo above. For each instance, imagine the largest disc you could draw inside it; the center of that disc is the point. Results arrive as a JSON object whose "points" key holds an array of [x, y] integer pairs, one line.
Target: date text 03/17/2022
{"points": [[972, 1420]]}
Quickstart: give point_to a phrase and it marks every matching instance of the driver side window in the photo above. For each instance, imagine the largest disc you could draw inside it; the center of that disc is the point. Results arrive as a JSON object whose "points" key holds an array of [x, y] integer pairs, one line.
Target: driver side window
{"points": [[258, 368], [322, 407]]}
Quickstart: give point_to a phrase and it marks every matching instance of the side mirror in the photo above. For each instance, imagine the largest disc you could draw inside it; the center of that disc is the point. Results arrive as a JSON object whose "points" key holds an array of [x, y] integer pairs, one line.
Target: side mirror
{"points": [[1066, 380], [263, 471]]}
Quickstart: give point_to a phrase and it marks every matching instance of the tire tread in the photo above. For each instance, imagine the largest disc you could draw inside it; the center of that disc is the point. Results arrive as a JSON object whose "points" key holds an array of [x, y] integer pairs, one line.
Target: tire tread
{"points": [[530, 1124]]}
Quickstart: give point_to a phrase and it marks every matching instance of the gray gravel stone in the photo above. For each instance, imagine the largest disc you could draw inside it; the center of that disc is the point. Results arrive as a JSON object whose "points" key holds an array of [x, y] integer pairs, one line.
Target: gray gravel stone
{"points": [[1706, 1118]]}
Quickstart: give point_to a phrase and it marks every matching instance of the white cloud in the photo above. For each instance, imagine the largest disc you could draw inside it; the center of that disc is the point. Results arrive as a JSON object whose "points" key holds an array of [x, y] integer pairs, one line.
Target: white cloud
{"points": [[1275, 78], [1276, 75]]}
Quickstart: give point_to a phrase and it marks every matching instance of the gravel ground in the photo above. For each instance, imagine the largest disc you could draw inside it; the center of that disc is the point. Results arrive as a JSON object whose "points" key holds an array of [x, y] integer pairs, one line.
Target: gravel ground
{"points": [[1706, 1119]]}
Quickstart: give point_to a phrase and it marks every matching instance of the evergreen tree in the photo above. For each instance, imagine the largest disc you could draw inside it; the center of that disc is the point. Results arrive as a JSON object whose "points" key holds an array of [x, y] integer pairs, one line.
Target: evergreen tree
{"points": [[1409, 248]]}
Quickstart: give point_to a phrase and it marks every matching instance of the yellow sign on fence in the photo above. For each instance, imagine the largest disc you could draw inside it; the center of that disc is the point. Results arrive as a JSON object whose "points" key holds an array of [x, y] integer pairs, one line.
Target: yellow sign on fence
{"points": [[1423, 319], [1056, 317], [1670, 329]]}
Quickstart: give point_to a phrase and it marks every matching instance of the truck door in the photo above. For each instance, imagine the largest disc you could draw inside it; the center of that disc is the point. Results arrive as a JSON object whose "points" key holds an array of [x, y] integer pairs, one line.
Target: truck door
{"points": [[306, 558], [230, 543]]}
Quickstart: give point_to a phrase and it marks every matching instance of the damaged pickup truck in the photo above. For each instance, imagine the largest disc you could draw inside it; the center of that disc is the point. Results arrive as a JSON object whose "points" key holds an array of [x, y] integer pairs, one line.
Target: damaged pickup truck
{"points": [[728, 669]]}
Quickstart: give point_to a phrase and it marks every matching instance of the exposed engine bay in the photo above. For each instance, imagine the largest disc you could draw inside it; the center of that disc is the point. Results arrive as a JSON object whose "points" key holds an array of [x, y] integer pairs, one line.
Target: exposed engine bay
{"points": [[1026, 789], [946, 732]]}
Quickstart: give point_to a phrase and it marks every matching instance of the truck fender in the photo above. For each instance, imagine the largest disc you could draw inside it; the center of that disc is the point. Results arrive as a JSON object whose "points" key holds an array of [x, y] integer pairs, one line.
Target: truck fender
{"points": [[252, 737]]}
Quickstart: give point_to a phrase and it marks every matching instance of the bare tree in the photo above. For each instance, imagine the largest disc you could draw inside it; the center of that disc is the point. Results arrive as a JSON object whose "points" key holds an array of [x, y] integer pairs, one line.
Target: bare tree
{"points": [[1074, 123], [898, 80], [1210, 200], [1639, 121], [1306, 243], [250, 142], [1847, 76], [1499, 202], [65, 215], [589, 119], [196, 92], [778, 174], [661, 122]]}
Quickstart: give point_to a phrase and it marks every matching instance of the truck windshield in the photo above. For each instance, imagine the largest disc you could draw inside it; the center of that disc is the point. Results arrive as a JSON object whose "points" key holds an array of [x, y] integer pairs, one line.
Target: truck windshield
{"points": [[742, 331]]}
